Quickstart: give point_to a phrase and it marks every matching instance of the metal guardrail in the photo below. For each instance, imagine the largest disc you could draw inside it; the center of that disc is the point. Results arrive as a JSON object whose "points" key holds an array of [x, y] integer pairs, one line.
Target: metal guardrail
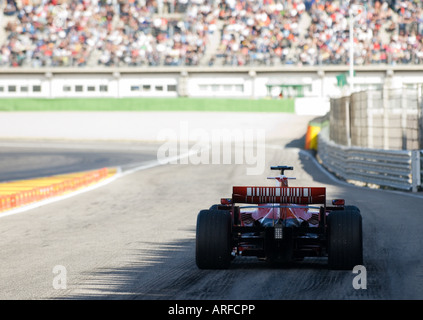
{"points": [[421, 168], [398, 169]]}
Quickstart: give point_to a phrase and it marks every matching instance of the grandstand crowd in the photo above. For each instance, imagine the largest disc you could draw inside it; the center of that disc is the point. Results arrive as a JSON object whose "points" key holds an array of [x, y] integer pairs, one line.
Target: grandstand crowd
{"points": [[80, 33]]}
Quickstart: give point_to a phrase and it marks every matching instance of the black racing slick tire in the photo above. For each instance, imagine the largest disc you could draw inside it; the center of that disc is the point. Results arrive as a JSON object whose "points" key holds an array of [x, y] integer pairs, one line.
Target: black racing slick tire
{"points": [[213, 239], [214, 207], [345, 239]]}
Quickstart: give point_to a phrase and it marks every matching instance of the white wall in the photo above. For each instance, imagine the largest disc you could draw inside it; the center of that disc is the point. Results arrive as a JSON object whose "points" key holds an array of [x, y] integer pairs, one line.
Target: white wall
{"points": [[192, 82], [219, 85], [24, 86], [76, 85], [139, 85]]}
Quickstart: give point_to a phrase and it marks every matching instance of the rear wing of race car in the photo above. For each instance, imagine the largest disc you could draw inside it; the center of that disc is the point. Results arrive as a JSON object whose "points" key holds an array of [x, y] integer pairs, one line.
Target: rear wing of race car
{"points": [[279, 195]]}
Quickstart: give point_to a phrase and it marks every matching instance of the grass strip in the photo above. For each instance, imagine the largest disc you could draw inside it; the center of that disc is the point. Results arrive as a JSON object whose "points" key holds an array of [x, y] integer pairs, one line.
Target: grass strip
{"points": [[147, 104]]}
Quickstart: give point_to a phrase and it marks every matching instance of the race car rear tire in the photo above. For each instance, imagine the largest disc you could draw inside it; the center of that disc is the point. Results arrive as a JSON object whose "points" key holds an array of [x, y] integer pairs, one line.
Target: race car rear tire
{"points": [[213, 239], [214, 207], [345, 242]]}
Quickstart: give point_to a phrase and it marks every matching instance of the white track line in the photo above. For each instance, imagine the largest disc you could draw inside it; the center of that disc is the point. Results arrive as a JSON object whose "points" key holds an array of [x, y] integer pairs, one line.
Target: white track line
{"points": [[59, 198]]}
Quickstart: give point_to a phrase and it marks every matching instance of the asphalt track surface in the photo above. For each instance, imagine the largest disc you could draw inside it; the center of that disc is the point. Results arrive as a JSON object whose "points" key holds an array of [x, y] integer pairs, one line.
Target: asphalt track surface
{"points": [[26, 159], [134, 238]]}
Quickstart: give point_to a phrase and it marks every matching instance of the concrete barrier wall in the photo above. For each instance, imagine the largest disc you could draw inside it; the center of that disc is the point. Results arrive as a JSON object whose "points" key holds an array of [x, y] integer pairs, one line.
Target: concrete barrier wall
{"points": [[245, 82]]}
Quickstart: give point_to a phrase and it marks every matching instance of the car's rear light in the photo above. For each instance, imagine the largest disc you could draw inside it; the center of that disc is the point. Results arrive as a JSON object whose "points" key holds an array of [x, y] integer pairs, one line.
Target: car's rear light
{"points": [[226, 201], [278, 231], [338, 202]]}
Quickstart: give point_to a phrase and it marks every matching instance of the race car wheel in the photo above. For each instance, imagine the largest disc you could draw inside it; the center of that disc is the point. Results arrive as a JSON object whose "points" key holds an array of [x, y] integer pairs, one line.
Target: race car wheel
{"points": [[214, 207], [213, 239], [345, 243]]}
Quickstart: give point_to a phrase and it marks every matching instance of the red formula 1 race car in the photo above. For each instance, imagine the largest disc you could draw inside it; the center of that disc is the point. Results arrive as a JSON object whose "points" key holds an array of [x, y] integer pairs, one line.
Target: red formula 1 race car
{"points": [[279, 224]]}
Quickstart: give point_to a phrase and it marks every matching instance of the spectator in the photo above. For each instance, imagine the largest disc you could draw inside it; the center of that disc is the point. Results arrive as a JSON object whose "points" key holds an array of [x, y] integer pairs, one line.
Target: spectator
{"points": [[178, 32]]}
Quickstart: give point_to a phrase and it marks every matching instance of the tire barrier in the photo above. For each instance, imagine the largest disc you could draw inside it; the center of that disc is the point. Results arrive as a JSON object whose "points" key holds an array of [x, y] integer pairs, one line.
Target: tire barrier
{"points": [[20, 193]]}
